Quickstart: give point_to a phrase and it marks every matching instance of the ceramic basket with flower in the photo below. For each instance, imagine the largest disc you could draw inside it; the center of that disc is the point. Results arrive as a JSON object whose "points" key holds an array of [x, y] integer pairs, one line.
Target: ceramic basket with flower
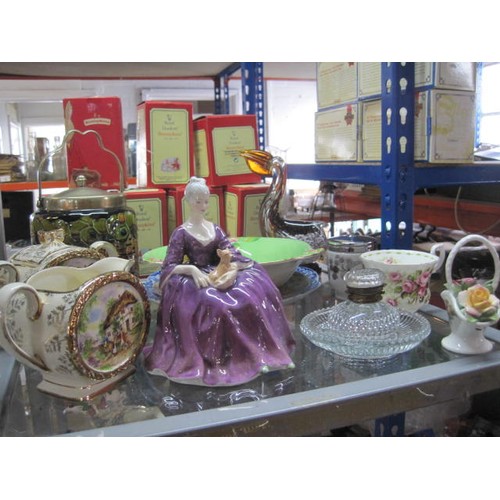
{"points": [[472, 306]]}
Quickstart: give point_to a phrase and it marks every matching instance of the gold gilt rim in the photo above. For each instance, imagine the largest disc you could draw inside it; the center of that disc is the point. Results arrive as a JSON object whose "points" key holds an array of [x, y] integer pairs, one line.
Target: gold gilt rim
{"points": [[74, 254], [87, 291]]}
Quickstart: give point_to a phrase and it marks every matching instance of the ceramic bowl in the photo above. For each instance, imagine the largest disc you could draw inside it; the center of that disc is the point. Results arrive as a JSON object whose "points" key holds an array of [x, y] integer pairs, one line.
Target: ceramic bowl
{"points": [[407, 275], [279, 256]]}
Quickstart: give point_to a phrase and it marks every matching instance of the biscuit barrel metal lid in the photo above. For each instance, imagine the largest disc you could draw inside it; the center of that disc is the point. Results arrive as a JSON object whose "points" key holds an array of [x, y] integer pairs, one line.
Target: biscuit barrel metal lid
{"points": [[87, 214]]}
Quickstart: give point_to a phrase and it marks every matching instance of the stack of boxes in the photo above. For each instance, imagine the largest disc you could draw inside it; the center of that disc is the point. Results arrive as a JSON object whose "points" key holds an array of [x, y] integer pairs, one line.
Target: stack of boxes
{"points": [[349, 117], [98, 158], [218, 142], [172, 147]]}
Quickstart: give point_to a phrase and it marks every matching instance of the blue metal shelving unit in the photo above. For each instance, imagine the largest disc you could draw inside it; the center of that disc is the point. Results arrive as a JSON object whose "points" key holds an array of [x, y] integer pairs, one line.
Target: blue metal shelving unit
{"points": [[397, 175]]}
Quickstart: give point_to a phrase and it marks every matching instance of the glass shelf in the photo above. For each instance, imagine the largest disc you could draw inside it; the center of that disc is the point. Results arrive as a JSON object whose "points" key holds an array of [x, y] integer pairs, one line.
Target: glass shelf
{"points": [[322, 393]]}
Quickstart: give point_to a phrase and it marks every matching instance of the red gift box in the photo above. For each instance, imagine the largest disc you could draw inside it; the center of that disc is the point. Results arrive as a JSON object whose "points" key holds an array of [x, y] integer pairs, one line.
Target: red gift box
{"points": [[84, 153], [242, 208], [219, 139]]}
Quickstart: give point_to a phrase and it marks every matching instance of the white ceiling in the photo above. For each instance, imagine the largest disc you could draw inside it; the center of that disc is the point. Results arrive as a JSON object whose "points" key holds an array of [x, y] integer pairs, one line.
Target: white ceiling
{"points": [[146, 70]]}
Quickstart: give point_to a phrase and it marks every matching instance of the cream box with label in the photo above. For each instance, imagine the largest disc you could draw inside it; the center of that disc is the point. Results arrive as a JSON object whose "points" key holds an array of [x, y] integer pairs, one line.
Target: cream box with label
{"points": [[428, 75], [150, 207], [444, 127], [336, 83], [165, 147], [336, 134]]}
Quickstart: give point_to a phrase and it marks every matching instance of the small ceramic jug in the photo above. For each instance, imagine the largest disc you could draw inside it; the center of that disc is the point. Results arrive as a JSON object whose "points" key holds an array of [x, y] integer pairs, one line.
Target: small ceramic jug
{"points": [[82, 328], [52, 251], [471, 306]]}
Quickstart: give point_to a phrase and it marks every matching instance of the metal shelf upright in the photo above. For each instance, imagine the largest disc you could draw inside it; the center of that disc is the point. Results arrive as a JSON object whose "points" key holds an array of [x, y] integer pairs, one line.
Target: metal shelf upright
{"points": [[252, 87], [397, 176]]}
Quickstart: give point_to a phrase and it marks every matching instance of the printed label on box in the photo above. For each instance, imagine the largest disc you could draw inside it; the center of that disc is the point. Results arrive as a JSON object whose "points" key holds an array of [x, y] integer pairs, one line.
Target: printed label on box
{"points": [[148, 213], [372, 131], [453, 126], [446, 75], [231, 201], [227, 143], [456, 75], [169, 145], [336, 83], [420, 126], [336, 135], [251, 215], [369, 79], [201, 153], [423, 73]]}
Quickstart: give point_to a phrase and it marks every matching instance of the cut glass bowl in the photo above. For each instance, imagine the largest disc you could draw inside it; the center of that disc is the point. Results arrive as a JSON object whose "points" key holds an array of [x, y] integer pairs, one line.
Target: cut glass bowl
{"points": [[352, 331]]}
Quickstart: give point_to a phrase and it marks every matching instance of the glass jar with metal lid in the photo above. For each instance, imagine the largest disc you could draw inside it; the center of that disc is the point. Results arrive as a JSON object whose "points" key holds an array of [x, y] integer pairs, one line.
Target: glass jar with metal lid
{"points": [[343, 255], [364, 327], [87, 214]]}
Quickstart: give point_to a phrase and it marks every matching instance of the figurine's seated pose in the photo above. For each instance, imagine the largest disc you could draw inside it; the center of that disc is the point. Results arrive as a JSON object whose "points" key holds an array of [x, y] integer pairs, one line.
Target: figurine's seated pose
{"points": [[215, 335]]}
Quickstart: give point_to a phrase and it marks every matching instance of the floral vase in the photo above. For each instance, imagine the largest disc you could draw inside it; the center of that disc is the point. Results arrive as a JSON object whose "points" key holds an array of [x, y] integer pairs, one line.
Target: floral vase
{"points": [[471, 305]]}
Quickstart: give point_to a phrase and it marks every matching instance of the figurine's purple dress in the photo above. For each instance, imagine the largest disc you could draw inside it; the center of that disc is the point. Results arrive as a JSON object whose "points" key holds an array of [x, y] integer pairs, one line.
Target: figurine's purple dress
{"points": [[207, 336]]}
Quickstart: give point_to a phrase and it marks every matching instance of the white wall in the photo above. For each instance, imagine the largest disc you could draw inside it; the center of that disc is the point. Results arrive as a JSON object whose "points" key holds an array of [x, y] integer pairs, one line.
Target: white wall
{"points": [[39, 98]]}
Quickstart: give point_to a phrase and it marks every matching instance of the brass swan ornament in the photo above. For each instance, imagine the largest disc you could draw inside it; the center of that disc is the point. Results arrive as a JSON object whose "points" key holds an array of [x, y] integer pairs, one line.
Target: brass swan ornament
{"points": [[272, 224]]}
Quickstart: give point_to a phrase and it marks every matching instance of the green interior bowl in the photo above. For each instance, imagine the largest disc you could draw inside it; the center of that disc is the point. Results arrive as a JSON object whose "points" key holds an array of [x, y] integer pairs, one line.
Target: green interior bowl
{"points": [[279, 256], [155, 255], [267, 250]]}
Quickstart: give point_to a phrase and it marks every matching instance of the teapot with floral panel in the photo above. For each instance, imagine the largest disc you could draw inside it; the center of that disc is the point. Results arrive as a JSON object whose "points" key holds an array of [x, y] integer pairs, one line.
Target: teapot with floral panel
{"points": [[82, 328], [471, 304]]}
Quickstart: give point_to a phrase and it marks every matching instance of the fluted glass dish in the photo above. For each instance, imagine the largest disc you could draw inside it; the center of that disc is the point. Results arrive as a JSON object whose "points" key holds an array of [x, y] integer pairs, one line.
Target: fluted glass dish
{"points": [[361, 343], [363, 327]]}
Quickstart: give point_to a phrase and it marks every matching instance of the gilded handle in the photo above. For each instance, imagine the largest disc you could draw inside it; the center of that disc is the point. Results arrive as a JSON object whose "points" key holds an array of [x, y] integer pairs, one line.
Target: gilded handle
{"points": [[8, 273], [33, 310]]}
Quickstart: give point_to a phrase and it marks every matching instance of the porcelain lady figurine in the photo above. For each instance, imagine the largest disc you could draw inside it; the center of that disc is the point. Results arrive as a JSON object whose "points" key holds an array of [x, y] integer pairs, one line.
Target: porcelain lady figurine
{"points": [[220, 329]]}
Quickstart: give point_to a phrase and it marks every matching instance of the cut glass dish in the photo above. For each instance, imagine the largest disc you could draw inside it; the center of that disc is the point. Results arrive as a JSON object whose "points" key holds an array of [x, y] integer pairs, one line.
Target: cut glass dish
{"points": [[363, 327]]}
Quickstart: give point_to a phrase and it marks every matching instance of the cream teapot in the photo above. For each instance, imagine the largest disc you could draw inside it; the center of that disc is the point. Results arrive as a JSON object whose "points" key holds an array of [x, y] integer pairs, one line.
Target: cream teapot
{"points": [[82, 328], [52, 251]]}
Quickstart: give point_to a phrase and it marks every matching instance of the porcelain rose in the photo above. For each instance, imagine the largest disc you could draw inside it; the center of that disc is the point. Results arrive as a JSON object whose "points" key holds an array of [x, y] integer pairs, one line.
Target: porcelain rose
{"points": [[478, 301]]}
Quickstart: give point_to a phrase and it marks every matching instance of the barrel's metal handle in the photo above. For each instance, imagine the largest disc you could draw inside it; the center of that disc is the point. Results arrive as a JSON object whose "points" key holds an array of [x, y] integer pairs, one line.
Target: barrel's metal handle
{"points": [[67, 138]]}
